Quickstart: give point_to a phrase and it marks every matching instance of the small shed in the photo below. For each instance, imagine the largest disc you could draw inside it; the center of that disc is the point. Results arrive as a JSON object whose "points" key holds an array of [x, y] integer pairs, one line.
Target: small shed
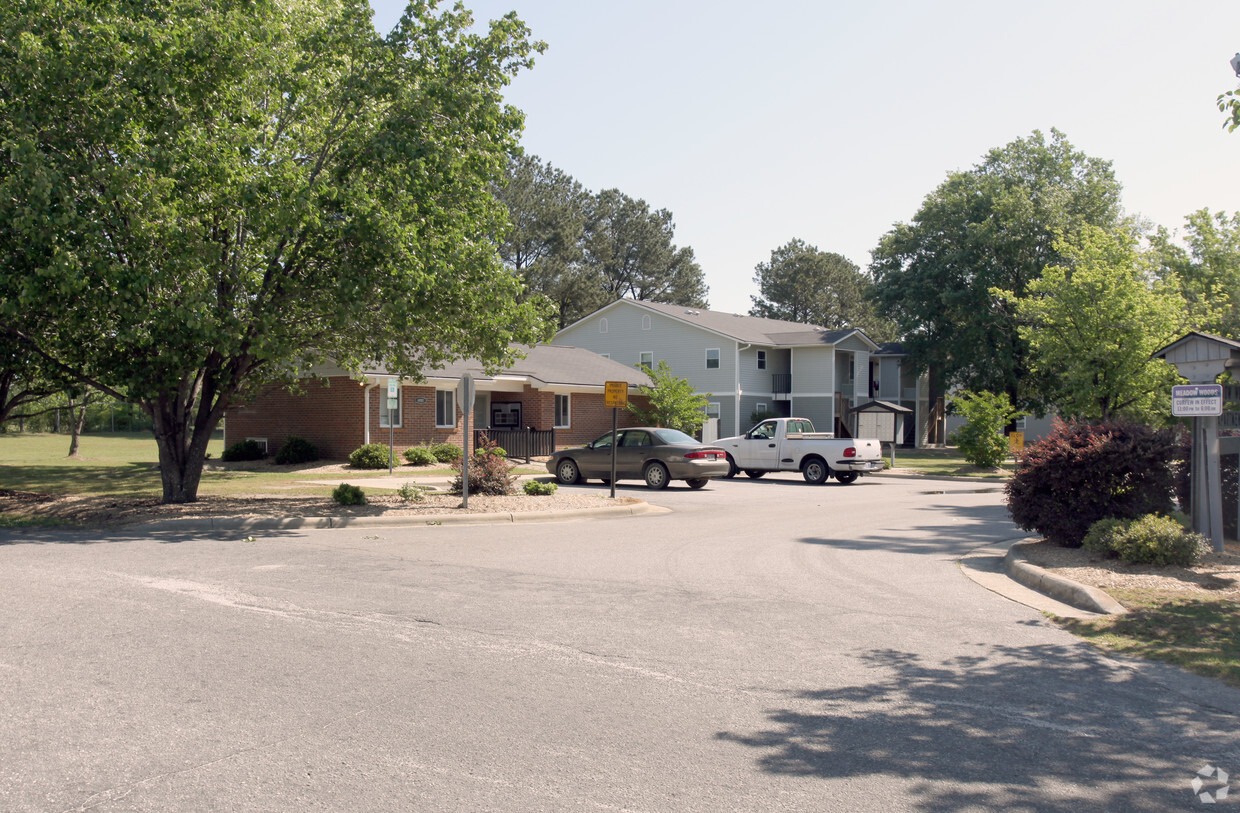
{"points": [[880, 419]]}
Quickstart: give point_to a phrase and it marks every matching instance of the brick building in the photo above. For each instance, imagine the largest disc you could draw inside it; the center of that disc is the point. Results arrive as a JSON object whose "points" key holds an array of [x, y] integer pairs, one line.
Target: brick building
{"points": [[552, 388]]}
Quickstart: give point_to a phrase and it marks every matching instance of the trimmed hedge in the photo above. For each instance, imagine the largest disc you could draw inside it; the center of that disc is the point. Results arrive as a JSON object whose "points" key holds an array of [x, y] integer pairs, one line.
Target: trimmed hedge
{"points": [[296, 450], [345, 494], [370, 456], [1081, 473], [1147, 540], [243, 450], [419, 455]]}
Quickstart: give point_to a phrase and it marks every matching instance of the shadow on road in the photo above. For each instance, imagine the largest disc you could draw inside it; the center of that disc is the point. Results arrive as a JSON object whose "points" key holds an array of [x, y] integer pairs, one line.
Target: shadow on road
{"points": [[1047, 728]]}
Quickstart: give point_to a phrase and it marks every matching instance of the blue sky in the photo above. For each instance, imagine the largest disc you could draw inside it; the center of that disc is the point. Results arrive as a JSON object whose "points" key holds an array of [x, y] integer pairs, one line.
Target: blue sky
{"points": [[830, 122]]}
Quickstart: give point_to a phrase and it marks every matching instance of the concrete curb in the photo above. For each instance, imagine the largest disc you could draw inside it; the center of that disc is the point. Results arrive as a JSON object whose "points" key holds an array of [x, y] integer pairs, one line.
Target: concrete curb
{"points": [[1081, 596], [326, 523]]}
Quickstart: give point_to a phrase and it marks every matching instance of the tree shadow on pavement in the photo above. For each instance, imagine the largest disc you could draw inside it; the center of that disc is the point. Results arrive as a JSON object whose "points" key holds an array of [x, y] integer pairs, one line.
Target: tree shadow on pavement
{"points": [[1046, 728]]}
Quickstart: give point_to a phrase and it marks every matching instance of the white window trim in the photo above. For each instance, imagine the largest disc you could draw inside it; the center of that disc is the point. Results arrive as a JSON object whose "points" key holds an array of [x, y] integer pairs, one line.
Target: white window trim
{"points": [[602, 325], [761, 359], [645, 321], [713, 409], [760, 407], [385, 416], [718, 359], [568, 411], [452, 395], [641, 363]]}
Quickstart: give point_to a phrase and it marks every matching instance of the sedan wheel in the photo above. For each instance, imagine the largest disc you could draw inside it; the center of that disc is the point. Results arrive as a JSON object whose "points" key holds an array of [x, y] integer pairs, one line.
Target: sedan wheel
{"points": [[847, 477], [567, 472], [656, 476], [696, 482], [815, 471], [753, 474]]}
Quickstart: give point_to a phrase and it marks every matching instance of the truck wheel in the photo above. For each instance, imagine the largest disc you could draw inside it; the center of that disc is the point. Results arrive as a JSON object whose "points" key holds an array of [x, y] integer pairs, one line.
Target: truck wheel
{"points": [[815, 471], [753, 474], [732, 469], [567, 472], [656, 476], [847, 477]]}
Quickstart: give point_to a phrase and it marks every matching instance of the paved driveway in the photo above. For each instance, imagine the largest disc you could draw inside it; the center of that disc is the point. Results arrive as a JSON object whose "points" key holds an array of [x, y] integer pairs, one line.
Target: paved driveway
{"points": [[766, 646]]}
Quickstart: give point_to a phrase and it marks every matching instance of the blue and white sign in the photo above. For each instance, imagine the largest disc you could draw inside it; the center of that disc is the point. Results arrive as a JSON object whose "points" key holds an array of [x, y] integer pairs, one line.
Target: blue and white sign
{"points": [[1197, 400]]}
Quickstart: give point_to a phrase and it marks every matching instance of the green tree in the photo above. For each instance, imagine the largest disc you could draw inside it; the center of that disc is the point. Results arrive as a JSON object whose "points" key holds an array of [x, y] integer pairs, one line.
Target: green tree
{"points": [[217, 194], [630, 248], [547, 209], [1208, 272], [1092, 324], [981, 439], [802, 284], [992, 226], [673, 402]]}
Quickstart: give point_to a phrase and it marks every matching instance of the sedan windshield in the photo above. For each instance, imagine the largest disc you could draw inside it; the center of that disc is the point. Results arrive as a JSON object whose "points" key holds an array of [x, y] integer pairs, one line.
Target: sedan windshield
{"points": [[674, 436]]}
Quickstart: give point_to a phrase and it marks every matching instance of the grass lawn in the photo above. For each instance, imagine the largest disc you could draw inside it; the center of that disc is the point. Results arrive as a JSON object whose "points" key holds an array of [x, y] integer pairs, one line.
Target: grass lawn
{"points": [[125, 465], [1200, 635], [946, 461]]}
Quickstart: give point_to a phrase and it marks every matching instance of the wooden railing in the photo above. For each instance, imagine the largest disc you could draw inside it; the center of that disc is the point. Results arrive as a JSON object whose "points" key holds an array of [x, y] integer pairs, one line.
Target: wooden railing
{"points": [[524, 443]]}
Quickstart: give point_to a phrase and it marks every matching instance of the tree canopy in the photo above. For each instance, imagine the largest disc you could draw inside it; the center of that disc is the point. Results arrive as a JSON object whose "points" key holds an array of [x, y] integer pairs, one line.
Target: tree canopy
{"points": [[993, 226], [213, 195], [1092, 324], [803, 284], [1208, 272]]}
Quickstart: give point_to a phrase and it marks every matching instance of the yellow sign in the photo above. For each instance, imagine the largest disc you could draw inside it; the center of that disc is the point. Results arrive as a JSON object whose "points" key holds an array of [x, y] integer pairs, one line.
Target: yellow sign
{"points": [[1016, 442], [616, 395]]}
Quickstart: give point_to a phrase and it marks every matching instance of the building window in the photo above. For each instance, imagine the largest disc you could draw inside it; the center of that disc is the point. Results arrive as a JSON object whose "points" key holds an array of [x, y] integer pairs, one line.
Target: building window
{"points": [[647, 359], [390, 417], [712, 409], [602, 325], [645, 321], [605, 355], [563, 412], [852, 370], [712, 358], [445, 409], [759, 407], [761, 359]]}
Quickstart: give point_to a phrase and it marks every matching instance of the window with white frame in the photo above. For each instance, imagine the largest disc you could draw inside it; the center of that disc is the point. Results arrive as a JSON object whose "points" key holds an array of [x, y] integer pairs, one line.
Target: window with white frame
{"points": [[759, 407], [645, 321], [712, 409], [646, 359], [712, 358], [602, 325], [390, 417], [445, 409], [563, 412], [761, 359]]}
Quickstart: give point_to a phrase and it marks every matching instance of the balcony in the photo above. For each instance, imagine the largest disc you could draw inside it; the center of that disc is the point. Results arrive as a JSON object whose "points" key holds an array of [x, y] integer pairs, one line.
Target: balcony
{"points": [[781, 384]]}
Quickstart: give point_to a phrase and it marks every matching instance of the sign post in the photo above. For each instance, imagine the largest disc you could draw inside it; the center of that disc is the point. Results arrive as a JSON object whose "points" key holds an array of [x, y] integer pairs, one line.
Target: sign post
{"points": [[465, 394], [615, 395], [1203, 403], [1016, 444], [392, 402]]}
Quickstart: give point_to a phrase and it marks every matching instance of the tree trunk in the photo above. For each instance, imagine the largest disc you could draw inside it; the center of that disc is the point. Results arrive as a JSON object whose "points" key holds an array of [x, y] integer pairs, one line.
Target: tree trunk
{"points": [[77, 425]]}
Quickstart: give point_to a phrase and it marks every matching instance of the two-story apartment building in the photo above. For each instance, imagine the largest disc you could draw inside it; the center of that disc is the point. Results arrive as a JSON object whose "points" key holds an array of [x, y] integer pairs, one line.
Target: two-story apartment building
{"points": [[748, 364]]}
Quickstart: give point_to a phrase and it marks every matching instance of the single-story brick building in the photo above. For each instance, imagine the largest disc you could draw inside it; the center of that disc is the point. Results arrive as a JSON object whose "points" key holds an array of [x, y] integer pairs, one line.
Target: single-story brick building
{"points": [[554, 389]]}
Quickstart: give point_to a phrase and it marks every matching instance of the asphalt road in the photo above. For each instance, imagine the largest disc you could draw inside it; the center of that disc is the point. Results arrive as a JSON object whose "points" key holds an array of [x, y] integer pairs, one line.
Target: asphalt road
{"points": [[766, 646]]}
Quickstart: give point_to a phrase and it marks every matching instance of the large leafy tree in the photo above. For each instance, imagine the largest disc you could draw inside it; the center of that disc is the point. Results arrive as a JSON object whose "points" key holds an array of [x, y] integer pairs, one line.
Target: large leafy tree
{"points": [[993, 226], [800, 283], [672, 401], [212, 195], [1208, 272], [1092, 324], [548, 209], [629, 247]]}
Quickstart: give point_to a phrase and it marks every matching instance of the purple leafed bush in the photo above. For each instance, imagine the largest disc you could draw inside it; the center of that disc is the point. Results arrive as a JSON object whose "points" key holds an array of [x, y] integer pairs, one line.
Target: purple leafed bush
{"points": [[1083, 472]]}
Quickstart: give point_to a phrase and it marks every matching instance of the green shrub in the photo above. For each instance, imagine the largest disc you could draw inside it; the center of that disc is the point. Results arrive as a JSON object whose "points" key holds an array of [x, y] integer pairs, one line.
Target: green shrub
{"points": [[244, 450], [1081, 473], [296, 450], [447, 452], [345, 494], [538, 488], [489, 472], [411, 493], [419, 455], [1147, 540], [370, 456], [981, 439]]}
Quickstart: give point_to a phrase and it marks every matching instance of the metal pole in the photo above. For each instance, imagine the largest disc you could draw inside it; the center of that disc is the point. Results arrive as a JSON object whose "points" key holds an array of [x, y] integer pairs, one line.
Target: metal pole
{"points": [[465, 463], [614, 411]]}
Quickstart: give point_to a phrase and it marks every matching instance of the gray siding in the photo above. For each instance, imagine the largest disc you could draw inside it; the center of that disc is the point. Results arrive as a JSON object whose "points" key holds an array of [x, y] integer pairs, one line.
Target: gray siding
{"points": [[819, 410], [813, 372]]}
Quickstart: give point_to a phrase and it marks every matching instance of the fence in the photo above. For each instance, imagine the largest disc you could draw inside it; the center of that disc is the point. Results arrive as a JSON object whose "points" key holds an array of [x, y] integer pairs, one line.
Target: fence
{"points": [[524, 443]]}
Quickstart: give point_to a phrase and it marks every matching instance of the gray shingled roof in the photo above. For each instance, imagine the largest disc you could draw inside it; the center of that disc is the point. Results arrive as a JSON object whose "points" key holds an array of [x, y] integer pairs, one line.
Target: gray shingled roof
{"points": [[752, 329], [549, 364]]}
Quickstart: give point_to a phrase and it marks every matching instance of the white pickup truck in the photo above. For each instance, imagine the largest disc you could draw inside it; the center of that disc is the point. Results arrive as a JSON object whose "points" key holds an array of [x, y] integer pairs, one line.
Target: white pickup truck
{"points": [[791, 444]]}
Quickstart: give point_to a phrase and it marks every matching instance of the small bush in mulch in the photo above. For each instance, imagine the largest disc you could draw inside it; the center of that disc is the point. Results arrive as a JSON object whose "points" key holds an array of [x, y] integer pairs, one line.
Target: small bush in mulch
{"points": [[296, 450], [538, 488], [345, 494], [420, 455], [243, 450], [1147, 540], [370, 456], [489, 472]]}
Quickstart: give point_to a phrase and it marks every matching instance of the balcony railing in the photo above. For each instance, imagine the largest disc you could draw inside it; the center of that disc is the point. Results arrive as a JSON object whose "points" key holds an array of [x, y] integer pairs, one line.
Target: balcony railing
{"points": [[525, 443], [781, 382]]}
